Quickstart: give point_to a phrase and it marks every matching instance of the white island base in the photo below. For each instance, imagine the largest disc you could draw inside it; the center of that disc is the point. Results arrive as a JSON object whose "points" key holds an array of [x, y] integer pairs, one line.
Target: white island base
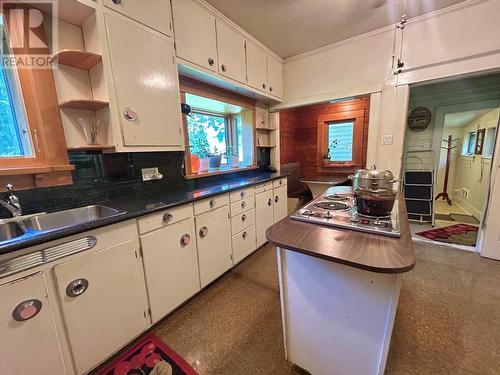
{"points": [[337, 319]]}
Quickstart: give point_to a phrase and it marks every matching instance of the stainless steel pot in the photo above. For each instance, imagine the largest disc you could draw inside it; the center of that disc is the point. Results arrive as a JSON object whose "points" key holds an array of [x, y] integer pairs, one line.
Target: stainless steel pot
{"points": [[373, 179]]}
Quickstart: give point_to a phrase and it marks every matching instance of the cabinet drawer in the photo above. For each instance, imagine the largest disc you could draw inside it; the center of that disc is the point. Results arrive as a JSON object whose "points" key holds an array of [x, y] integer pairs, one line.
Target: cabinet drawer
{"points": [[211, 204], [242, 206], [240, 222], [263, 187], [279, 182], [155, 221], [238, 195], [243, 244]]}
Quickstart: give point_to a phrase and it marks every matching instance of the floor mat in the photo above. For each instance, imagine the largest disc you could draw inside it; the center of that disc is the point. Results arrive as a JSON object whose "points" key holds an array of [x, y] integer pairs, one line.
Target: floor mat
{"points": [[459, 234], [149, 356]]}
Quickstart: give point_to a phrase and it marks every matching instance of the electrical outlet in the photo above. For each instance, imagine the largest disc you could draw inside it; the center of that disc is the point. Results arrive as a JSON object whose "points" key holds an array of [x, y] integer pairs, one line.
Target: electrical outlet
{"points": [[427, 146], [149, 174], [387, 139]]}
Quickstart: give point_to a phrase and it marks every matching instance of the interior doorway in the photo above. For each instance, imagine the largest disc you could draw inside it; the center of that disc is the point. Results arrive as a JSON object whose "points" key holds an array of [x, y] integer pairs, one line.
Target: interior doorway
{"points": [[448, 156]]}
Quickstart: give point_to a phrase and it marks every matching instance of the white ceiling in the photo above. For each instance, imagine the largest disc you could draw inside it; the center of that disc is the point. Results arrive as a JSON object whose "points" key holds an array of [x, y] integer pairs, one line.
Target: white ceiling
{"points": [[290, 27], [460, 119]]}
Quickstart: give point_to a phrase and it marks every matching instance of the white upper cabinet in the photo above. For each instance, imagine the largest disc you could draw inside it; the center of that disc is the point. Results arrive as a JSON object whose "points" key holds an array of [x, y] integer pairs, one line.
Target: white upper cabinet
{"points": [[231, 51], [195, 39], [275, 77], [256, 67], [146, 84], [155, 14]]}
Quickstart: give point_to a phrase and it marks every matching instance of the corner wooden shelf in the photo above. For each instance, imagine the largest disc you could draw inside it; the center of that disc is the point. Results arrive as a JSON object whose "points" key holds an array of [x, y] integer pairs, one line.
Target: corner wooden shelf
{"points": [[77, 58], [266, 129], [84, 104], [107, 148]]}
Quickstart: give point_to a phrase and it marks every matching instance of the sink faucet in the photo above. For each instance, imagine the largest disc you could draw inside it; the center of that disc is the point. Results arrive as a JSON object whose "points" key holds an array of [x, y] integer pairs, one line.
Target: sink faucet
{"points": [[11, 203]]}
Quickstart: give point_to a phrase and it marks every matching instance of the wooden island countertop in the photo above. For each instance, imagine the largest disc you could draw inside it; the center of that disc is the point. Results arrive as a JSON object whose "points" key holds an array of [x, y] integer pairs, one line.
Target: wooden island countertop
{"points": [[365, 251]]}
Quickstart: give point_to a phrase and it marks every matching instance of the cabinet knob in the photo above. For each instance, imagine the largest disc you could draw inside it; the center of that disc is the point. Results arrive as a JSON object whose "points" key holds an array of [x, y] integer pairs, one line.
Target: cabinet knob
{"points": [[185, 240], [223, 68], [211, 203], [243, 205], [271, 88], [242, 194], [244, 217], [211, 61], [117, 1], [203, 232], [77, 287], [264, 86], [245, 235], [27, 310], [130, 114], [168, 217], [270, 202], [276, 199]]}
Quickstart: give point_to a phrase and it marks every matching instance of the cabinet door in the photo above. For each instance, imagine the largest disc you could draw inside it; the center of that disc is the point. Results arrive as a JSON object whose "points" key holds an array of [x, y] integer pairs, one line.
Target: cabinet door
{"points": [[280, 203], [231, 51], [195, 39], [171, 267], [214, 244], [256, 67], [146, 84], [102, 301], [28, 346], [243, 244], [263, 215], [156, 14], [275, 77]]}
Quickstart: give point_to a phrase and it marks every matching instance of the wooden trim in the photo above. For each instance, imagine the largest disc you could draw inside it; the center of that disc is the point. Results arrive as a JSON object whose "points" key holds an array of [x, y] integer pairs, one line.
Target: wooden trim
{"points": [[220, 171], [92, 148], [35, 170]]}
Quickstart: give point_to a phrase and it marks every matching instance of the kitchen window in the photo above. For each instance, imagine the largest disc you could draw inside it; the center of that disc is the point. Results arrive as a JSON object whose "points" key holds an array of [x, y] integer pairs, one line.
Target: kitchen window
{"points": [[219, 130], [340, 138], [469, 145]]}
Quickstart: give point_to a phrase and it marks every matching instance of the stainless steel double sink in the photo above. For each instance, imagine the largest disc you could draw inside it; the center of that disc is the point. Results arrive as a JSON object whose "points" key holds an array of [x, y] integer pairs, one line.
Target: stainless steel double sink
{"points": [[16, 227]]}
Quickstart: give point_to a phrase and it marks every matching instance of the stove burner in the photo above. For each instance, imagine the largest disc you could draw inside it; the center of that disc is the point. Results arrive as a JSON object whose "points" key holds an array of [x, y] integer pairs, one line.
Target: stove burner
{"points": [[332, 206], [337, 197]]}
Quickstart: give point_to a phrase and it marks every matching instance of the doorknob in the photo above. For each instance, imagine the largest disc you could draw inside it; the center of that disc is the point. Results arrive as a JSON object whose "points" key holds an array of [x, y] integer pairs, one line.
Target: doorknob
{"points": [[27, 310], [77, 287]]}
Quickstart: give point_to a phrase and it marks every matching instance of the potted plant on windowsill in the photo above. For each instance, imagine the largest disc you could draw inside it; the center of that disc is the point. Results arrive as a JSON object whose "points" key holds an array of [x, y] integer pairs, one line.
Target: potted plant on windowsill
{"points": [[215, 159], [232, 157], [203, 152]]}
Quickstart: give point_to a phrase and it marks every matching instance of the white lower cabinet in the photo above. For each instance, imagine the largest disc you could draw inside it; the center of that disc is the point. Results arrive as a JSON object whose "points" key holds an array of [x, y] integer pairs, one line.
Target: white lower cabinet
{"points": [[170, 266], [28, 338], [264, 216], [102, 302], [213, 237], [243, 244], [280, 209]]}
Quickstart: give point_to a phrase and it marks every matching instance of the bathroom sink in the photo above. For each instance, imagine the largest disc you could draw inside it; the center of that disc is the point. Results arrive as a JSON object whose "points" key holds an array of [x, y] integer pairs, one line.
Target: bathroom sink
{"points": [[71, 217], [10, 230]]}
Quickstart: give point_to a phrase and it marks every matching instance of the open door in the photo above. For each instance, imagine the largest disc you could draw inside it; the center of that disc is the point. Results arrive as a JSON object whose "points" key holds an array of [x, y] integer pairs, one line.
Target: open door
{"points": [[490, 239]]}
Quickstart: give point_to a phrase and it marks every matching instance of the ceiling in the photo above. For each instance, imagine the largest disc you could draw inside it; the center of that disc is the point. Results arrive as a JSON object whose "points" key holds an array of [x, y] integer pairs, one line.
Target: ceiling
{"points": [[291, 27], [460, 119]]}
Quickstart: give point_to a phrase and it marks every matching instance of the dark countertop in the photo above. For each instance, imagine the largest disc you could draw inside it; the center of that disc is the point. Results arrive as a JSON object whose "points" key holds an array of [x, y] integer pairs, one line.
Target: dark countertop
{"points": [[366, 251], [139, 204]]}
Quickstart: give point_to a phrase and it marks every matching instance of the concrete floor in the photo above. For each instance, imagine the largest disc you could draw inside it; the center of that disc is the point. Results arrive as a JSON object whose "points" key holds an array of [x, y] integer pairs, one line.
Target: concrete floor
{"points": [[447, 320]]}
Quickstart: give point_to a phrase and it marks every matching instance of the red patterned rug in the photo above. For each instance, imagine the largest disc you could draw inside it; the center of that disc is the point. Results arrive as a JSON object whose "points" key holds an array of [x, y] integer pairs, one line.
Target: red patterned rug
{"points": [[149, 356], [459, 234]]}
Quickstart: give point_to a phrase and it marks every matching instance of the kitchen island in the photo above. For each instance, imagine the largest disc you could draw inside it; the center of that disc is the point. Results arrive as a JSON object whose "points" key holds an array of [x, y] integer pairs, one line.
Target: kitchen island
{"points": [[339, 291]]}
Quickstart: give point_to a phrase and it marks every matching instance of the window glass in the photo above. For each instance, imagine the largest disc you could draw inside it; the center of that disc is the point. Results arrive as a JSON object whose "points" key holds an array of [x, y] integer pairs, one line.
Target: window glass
{"points": [[471, 143], [489, 142], [340, 139], [207, 134]]}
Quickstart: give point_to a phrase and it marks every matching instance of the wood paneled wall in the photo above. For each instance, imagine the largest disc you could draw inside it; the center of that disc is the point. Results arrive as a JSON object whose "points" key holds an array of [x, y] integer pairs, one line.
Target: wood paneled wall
{"points": [[298, 132]]}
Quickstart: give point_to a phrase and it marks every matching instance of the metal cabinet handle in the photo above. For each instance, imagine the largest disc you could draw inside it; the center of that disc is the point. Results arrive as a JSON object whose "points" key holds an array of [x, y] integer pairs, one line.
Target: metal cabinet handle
{"points": [[271, 88], [203, 232], [276, 199], [245, 235], [242, 194], [223, 68], [243, 205], [77, 287], [185, 240], [27, 310], [269, 202], [264, 86], [211, 61], [211, 203], [244, 217], [168, 217], [130, 114], [117, 1]]}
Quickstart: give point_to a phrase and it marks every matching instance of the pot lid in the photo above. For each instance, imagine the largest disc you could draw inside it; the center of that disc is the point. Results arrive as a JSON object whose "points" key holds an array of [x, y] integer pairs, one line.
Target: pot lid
{"points": [[374, 174]]}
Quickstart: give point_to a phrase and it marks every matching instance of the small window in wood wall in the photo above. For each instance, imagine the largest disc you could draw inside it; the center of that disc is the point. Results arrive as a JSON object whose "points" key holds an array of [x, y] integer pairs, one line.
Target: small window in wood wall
{"points": [[342, 140], [221, 126]]}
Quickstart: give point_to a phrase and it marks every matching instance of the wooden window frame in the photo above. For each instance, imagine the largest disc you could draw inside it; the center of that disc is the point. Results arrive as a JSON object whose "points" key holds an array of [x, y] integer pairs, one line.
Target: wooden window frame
{"points": [[191, 86], [359, 139], [49, 164]]}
